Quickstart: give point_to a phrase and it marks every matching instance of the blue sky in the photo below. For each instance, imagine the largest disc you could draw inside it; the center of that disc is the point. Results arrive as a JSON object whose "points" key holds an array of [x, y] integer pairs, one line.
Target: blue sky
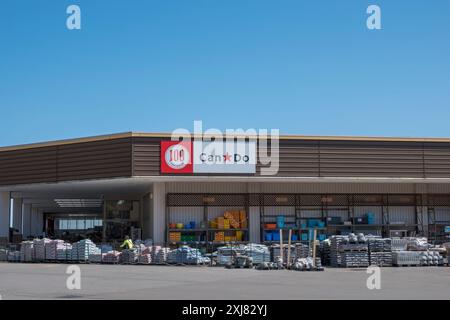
{"points": [[305, 67]]}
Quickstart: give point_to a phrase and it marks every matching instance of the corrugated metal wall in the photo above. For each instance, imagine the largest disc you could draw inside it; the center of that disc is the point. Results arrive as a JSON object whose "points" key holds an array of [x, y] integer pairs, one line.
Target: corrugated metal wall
{"points": [[442, 214], [254, 225], [402, 214], [205, 187], [361, 211]]}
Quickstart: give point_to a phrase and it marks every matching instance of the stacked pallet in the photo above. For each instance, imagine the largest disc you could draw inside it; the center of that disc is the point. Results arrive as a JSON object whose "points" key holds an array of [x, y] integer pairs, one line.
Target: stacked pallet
{"points": [[186, 255], [325, 252], [128, 256], [380, 252], [275, 252], [159, 256], [82, 249], [406, 258], [14, 256], [111, 257], [96, 257], [302, 251], [145, 258], [335, 244], [258, 252], [349, 251], [51, 249], [431, 258], [39, 248], [64, 252], [3, 254], [27, 251], [355, 259]]}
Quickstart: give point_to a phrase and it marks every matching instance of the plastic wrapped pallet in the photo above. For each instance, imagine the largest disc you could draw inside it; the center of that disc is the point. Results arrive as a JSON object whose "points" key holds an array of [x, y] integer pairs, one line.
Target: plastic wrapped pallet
{"points": [[27, 251], [355, 259], [14, 256], [186, 255], [159, 256], [96, 257], [145, 258], [51, 248], [380, 258], [3, 254], [225, 254], [111, 257], [302, 251], [406, 258], [39, 248], [64, 252], [128, 256], [84, 248], [258, 252]]}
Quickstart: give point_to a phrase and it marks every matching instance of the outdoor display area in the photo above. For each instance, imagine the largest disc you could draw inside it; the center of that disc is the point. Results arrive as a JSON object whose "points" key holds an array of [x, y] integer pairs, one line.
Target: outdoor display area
{"points": [[349, 251]]}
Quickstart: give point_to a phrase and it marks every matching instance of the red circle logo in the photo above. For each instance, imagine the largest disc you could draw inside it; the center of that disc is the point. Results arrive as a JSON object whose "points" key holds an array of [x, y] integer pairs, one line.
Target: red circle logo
{"points": [[177, 156]]}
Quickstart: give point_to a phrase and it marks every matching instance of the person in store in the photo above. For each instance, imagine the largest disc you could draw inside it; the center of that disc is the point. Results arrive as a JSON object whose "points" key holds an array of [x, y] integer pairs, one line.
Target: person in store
{"points": [[127, 243]]}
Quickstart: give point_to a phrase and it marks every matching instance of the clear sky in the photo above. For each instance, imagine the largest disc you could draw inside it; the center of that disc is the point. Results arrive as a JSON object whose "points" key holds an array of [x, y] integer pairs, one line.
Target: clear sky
{"points": [[305, 67]]}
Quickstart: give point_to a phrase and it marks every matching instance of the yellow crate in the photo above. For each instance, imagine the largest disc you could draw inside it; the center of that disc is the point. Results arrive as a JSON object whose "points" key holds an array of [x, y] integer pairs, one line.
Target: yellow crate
{"points": [[175, 236]]}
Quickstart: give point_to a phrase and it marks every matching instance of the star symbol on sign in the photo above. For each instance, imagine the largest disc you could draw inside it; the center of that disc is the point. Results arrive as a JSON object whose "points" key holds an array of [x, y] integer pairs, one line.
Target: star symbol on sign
{"points": [[227, 157]]}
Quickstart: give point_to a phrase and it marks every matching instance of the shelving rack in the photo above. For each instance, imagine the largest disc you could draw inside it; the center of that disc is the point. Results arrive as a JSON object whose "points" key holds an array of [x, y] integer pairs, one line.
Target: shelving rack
{"points": [[205, 234], [436, 224], [346, 203], [298, 208]]}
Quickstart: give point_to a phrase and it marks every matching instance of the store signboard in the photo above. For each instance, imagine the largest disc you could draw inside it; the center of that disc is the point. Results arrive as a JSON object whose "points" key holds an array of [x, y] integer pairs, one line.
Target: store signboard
{"points": [[447, 229], [208, 157]]}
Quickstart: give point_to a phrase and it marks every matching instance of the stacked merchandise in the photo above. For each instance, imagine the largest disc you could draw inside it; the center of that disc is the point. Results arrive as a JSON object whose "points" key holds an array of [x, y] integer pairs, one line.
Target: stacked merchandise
{"points": [[39, 248], [82, 249], [431, 258], [355, 259], [3, 255], [64, 252], [145, 258], [225, 254], [418, 244], [186, 255], [380, 252], [52, 247], [258, 252], [406, 258], [159, 255], [306, 264], [128, 256], [27, 251], [335, 243], [398, 244], [96, 257], [302, 251], [349, 251], [414, 252], [14, 256], [325, 251], [275, 253], [143, 252], [111, 257]]}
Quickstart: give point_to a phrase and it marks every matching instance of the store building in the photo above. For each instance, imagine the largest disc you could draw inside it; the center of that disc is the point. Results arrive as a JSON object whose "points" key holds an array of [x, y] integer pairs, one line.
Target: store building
{"points": [[107, 186]]}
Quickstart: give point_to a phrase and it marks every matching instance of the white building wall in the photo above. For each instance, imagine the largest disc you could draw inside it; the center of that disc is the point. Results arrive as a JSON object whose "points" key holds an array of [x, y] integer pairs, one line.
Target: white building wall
{"points": [[4, 214]]}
